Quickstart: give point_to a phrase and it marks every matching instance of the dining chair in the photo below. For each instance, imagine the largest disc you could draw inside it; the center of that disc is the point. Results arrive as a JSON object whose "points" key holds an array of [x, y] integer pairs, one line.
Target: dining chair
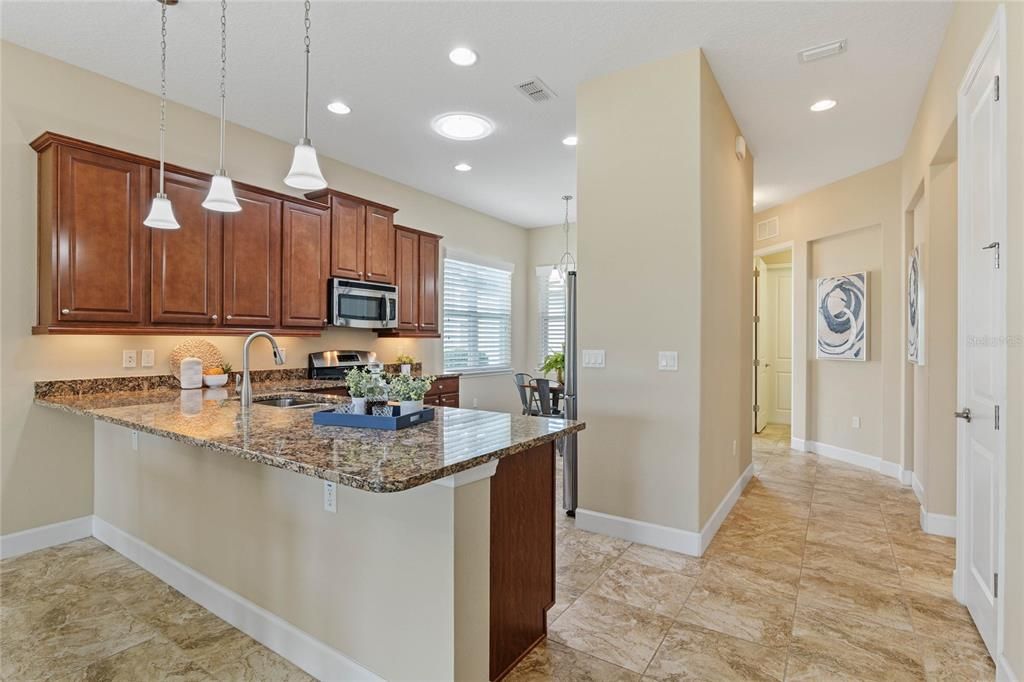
{"points": [[543, 392], [526, 395]]}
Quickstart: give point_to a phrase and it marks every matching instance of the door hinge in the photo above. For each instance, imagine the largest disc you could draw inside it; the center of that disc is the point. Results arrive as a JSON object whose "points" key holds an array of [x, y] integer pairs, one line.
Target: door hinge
{"points": [[995, 585], [757, 273], [997, 418], [757, 363], [757, 408], [995, 89], [757, 319]]}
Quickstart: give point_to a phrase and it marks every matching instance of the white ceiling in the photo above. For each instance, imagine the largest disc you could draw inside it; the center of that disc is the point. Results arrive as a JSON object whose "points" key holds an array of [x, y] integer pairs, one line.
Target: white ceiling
{"points": [[388, 61]]}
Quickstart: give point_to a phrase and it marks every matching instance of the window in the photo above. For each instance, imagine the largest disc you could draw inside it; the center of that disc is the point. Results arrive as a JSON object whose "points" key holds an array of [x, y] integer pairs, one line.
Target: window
{"points": [[477, 314], [551, 291]]}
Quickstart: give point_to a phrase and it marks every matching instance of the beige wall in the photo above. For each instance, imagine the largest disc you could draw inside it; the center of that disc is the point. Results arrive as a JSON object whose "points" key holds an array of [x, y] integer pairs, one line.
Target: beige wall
{"points": [[46, 457], [866, 203], [726, 191], [644, 144]]}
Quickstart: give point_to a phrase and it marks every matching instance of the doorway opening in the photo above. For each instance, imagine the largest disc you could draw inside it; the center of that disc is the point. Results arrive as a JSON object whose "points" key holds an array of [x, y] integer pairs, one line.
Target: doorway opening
{"points": [[773, 339]]}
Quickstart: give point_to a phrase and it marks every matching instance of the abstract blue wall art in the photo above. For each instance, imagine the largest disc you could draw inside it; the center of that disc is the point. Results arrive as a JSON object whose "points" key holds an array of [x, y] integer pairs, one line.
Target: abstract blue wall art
{"points": [[915, 309], [843, 317]]}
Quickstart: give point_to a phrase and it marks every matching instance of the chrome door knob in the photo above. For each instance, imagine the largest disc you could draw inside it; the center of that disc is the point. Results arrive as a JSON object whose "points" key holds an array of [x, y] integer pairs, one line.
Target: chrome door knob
{"points": [[964, 414]]}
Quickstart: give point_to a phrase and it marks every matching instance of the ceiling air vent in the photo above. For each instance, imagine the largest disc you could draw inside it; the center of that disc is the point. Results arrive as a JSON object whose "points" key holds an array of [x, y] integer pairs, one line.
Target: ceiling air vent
{"points": [[836, 47], [766, 229], [536, 90]]}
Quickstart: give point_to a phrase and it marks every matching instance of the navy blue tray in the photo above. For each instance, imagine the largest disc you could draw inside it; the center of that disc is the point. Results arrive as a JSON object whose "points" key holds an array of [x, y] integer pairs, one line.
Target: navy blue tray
{"points": [[369, 421]]}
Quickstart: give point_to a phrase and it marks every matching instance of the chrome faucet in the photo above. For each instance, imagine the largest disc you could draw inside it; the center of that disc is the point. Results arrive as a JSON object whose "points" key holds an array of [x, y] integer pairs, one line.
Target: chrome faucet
{"points": [[246, 391]]}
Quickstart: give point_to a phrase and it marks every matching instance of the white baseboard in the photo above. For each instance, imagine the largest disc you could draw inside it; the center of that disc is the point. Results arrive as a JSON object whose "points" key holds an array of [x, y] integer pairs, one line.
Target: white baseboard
{"points": [[938, 524], [665, 537], [860, 459], [915, 483], [1004, 673], [798, 444], [275, 633], [23, 542]]}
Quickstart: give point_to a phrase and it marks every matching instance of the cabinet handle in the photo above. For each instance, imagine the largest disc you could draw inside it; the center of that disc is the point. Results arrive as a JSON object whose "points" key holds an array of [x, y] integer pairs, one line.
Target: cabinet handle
{"points": [[213, 317], [65, 311], [228, 317]]}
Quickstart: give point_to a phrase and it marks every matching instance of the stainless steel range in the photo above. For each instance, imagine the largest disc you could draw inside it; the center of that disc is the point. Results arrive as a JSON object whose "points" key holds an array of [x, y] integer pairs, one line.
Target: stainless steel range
{"points": [[335, 364]]}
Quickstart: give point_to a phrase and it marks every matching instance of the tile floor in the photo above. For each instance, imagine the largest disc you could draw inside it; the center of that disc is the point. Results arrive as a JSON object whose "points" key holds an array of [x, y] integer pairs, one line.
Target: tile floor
{"points": [[819, 572]]}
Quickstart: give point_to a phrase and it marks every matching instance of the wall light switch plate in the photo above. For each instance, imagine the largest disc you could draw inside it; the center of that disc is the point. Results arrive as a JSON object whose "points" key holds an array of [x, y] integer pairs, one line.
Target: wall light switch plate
{"points": [[668, 361], [330, 496], [593, 358], [129, 359], [855, 422], [148, 357]]}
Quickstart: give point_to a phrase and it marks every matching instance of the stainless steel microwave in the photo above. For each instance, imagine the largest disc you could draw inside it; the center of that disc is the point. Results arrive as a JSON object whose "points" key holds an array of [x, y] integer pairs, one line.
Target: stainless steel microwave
{"points": [[364, 305]]}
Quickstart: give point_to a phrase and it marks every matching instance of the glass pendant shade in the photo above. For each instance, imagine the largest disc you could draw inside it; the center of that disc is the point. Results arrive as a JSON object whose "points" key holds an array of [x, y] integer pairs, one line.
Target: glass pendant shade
{"points": [[305, 171], [222, 196], [161, 214], [556, 275]]}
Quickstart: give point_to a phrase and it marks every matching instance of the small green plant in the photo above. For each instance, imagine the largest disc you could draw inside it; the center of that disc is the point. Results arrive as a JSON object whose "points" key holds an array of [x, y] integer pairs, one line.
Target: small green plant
{"points": [[404, 387], [554, 363], [405, 359], [226, 368], [364, 384]]}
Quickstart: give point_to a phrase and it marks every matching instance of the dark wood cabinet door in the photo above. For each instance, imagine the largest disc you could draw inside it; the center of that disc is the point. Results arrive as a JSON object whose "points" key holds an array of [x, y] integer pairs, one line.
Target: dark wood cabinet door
{"points": [[380, 245], [348, 238], [430, 248], [252, 262], [305, 265], [185, 264], [101, 247], [407, 269]]}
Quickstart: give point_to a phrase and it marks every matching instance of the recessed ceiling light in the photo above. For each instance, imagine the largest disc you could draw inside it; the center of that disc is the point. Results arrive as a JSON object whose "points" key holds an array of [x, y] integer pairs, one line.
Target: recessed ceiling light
{"points": [[461, 126], [570, 141], [337, 107], [823, 105], [463, 167], [462, 56]]}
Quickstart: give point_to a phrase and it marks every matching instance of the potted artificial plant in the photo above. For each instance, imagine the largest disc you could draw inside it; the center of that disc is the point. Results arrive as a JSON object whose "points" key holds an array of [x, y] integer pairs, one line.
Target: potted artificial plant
{"points": [[359, 384], [406, 361], [409, 391], [555, 363]]}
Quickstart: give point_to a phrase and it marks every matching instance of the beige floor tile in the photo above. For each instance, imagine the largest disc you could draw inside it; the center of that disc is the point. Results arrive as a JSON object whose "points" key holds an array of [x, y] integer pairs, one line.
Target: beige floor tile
{"points": [[643, 586], [242, 659], [828, 647], [851, 564], [612, 631], [755, 576], [942, 618], [948, 661], [565, 595], [735, 611], [664, 559], [785, 545], [553, 662], [154, 659], [695, 653], [855, 537], [866, 601]]}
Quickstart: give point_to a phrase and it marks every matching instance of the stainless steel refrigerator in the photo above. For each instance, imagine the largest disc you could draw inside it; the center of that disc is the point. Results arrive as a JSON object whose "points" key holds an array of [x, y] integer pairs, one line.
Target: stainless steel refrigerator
{"points": [[569, 472]]}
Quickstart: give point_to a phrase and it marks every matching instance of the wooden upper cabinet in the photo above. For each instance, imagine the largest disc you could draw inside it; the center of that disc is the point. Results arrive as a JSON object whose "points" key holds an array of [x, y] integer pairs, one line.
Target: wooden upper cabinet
{"points": [[305, 265], [407, 270], [429, 256], [348, 238], [100, 246], [185, 264], [252, 262], [380, 245]]}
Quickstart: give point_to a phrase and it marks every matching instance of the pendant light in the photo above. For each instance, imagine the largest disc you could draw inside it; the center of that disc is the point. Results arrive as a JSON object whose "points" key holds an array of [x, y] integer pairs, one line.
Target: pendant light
{"points": [[221, 197], [161, 213], [305, 171], [567, 263]]}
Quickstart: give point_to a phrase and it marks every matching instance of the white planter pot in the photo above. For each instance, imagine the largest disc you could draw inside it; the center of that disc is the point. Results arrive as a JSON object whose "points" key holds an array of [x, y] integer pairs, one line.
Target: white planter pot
{"points": [[358, 405], [406, 369], [410, 406]]}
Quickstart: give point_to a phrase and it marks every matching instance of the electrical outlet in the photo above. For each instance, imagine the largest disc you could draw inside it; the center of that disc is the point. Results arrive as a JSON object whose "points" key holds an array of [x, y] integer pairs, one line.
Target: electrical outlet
{"points": [[330, 496], [135, 440], [855, 422], [129, 359], [148, 357]]}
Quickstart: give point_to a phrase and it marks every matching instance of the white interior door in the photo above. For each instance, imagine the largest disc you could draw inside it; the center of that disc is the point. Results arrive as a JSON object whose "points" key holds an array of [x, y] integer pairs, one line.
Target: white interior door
{"points": [[981, 388], [760, 371], [779, 333]]}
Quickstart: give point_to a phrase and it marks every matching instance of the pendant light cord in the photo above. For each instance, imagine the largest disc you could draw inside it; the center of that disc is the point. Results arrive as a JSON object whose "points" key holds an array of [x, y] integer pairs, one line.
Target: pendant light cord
{"points": [[163, 88], [567, 259], [305, 116], [223, 75]]}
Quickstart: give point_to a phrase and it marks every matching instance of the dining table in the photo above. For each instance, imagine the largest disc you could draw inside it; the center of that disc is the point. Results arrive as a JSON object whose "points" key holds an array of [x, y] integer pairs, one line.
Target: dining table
{"points": [[556, 389]]}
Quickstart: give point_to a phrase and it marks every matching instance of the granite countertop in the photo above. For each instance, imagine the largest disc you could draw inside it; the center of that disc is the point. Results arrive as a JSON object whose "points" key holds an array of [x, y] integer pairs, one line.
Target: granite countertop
{"points": [[368, 459]]}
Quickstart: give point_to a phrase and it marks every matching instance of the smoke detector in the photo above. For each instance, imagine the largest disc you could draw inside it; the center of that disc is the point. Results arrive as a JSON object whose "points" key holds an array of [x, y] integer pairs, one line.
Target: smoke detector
{"points": [[536, 90], [811, 54]]}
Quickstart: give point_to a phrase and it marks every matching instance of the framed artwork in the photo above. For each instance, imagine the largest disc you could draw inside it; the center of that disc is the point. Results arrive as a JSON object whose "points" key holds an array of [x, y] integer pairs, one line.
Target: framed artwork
{"points": [[915, 309], [843, 317]]}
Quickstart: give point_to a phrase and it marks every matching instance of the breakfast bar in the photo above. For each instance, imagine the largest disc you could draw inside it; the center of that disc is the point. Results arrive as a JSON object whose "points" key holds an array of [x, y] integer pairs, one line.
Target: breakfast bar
{"points": [[425, 553]]}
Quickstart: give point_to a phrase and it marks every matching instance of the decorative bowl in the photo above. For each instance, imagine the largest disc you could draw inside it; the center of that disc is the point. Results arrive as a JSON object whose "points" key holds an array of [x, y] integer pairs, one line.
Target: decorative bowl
{"points": [[215, 380]]}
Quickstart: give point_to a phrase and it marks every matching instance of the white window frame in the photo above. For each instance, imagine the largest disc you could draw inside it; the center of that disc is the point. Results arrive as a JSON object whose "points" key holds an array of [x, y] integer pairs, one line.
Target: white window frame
{"points": [[455, 313], [545, 317]]}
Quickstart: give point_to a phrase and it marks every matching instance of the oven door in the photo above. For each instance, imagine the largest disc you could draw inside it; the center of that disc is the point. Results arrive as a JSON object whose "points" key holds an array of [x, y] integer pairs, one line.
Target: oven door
{"points": [[354, 306]]}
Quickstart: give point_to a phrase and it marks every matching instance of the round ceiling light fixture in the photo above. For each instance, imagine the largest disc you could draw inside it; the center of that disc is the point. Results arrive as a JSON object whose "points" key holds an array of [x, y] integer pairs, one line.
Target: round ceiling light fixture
{"points": [[463, 167], [570, 141], [462, 56], [339, 107], [823, 105], [462, 126]]}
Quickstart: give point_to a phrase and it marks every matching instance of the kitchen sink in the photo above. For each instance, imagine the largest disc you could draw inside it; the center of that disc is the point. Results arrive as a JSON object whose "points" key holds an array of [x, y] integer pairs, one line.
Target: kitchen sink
{"points": [[290, 403]]}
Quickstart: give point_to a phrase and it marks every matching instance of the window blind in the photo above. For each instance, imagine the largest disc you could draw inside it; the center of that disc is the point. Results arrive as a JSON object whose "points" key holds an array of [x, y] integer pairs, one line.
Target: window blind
{"points": [[552, 314], [477, 317]]}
